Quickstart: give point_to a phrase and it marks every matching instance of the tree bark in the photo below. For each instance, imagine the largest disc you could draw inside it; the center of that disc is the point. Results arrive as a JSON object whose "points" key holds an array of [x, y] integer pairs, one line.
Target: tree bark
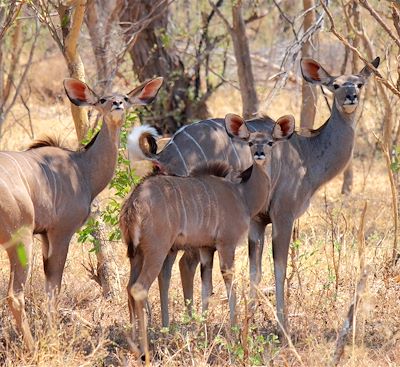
{"points": [[151, 56], [309, 91], [71, 30], [243, 60]]}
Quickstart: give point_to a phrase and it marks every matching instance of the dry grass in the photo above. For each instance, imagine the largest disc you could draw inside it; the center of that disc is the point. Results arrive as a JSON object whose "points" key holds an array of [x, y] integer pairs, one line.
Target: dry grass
{"points": [[323, 273]]}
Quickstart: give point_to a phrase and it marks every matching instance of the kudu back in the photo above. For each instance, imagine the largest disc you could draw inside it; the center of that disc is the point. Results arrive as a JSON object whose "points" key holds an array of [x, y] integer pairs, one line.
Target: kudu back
{"points": [[199, 211], [48, 190], [298, 169]]}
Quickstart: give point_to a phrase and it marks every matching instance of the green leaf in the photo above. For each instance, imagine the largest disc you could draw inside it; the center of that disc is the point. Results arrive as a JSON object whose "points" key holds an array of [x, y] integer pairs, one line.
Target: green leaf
{"points": [[21, 253]]}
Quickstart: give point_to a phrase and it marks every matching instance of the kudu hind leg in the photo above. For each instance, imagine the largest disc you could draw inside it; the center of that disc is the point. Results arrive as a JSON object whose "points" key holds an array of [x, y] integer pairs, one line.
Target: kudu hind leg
{"points": [[151, 268], [136, 267], [281, 234], [256, 246], [164, 279], [19, 272], [187, 267], [226, 259], [206, 260]]}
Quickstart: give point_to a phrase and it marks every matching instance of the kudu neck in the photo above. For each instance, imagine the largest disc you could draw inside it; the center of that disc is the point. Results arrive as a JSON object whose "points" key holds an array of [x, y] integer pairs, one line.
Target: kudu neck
{"points": [[256, 190], [101, 158], [328, 153]]}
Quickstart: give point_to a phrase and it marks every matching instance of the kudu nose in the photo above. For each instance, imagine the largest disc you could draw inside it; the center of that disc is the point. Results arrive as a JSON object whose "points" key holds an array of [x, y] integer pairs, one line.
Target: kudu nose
{"points": [[351, 97], [259, 155]]}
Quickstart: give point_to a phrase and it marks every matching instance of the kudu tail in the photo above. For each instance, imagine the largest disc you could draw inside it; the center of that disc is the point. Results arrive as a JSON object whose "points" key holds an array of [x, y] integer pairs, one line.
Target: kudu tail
{"points": [[130, 229], [142, 144]]}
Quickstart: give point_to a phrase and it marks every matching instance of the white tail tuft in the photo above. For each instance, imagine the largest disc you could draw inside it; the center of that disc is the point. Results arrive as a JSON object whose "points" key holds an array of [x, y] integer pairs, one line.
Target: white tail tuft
{"points": [[135, 151]]}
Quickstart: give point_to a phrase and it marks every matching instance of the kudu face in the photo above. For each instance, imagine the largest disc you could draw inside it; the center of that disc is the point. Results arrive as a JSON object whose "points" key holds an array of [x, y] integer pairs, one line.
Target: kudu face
{"points": [[346, 88], [112, 107], [260, 143]]}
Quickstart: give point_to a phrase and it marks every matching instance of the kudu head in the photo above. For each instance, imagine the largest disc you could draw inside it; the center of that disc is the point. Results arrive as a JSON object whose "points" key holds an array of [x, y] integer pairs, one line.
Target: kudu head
{"points": [[113, 107], [345, 88], [260, 143]]}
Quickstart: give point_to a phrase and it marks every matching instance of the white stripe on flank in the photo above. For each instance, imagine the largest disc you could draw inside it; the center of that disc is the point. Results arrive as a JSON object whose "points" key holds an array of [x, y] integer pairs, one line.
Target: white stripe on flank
{"points": [[208, 205], [179, 196], [19, 170], [55, 189], [166, 212], [197, 144], [181, 156], [224, 137], [27, 162], [175, 135], [42, 168]]}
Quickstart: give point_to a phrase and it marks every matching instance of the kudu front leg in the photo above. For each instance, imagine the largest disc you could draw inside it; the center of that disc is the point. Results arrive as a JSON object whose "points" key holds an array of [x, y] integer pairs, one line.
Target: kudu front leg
{"points": [[281, 234], [187, 267], [226, 260], [164, 279], [54, 261], [206, 260], [256, 247], [19, 272]]}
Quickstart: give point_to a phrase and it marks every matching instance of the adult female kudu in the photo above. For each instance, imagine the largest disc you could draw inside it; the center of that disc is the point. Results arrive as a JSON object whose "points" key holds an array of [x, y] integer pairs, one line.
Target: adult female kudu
{"points": [[200, 211], [299, 169], [48, 190]]}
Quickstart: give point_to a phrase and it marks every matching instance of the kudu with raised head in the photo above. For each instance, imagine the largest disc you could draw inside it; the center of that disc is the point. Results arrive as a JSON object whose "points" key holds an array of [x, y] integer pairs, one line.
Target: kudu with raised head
{"points": [[298, 169], [48, 190], [201, 211]]}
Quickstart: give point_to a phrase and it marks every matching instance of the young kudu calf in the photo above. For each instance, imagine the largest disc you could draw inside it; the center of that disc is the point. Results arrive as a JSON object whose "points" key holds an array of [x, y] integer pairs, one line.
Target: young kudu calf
{"points": [[48, 190], [200, 211], [298, 168]]}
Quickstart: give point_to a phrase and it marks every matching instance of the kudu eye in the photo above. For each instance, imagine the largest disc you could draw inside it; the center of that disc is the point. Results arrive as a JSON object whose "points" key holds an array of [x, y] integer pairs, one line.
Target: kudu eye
{"points": [[360, 85], [126, 99], [336, 86], [270, 143], [103, 100], [251, 143]]}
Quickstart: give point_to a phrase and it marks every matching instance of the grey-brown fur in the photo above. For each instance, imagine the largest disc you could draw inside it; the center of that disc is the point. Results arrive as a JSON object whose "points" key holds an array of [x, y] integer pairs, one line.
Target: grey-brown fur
{"points": [[298, 169], [204, 212], [48, 190]]}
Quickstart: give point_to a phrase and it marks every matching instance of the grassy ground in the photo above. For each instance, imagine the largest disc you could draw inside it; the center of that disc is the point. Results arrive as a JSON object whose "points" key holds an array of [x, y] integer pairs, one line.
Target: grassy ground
{"points": [[322, 275]]}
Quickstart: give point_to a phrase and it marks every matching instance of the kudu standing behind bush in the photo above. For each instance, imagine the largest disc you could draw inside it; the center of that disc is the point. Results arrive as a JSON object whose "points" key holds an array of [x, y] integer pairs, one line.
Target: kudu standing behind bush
{"points": [[200, 211], [48, 190]]}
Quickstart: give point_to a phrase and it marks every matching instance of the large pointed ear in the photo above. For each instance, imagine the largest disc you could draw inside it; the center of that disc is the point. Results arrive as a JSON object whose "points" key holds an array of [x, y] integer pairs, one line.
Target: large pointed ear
{"points": [[284, 127], [236, 126], [314, 73], [79, 93], [366, 71], [145, 92]]}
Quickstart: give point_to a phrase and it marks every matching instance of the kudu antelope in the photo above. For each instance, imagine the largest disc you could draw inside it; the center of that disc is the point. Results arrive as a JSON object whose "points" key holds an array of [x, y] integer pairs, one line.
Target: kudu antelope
{"points": [[48, 190], [200, 211], [298, 168], [194, 144]]}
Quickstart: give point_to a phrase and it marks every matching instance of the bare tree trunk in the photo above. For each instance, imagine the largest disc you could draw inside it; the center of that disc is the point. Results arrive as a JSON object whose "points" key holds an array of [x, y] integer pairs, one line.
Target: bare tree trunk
{"points": [[243, 60], [71, 27], [102, 20], [309, 91]]}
